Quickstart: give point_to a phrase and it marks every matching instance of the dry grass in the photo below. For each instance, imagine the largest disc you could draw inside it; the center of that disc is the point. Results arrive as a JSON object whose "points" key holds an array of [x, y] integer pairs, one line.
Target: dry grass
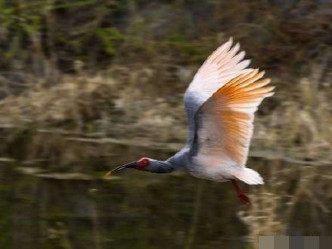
{"points": [[295, 124], [63, 122]]}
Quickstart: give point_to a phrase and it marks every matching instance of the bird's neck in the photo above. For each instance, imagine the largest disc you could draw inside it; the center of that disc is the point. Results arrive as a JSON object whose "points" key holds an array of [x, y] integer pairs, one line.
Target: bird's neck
{"points": [[179, 160], [162, 167]]}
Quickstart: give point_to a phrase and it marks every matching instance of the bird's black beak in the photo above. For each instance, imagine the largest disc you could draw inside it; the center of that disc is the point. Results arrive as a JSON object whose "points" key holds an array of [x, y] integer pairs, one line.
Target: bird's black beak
{"points": [[122, 167]]}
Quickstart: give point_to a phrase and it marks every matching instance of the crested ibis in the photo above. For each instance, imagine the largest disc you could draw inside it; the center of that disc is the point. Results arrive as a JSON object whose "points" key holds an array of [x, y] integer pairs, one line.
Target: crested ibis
{"points": [[220, 103]]}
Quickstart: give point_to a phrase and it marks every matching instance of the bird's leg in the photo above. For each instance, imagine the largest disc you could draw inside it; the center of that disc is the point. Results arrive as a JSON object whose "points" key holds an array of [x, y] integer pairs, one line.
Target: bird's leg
{"points": [[240, 193]]}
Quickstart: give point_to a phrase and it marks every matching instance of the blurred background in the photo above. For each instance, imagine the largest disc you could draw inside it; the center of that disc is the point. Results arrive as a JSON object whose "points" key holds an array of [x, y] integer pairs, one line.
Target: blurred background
{"points": [[88, 84]]}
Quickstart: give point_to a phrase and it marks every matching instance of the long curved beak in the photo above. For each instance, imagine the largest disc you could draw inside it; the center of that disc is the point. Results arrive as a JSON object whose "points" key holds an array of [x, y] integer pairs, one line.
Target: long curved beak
{"points": [[122, 167]]}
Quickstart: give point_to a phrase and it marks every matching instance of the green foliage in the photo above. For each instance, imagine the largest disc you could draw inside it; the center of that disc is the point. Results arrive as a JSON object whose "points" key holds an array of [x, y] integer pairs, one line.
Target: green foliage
{"points": [[93, 31], [109, 37]]}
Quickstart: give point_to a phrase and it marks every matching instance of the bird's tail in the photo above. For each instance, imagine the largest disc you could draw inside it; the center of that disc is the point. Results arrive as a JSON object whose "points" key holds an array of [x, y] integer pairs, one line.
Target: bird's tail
{"points": [[249, 176]]}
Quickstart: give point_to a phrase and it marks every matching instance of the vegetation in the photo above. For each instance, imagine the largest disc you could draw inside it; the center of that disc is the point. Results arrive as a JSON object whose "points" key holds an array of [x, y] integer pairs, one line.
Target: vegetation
{"points": [[75, 69]]}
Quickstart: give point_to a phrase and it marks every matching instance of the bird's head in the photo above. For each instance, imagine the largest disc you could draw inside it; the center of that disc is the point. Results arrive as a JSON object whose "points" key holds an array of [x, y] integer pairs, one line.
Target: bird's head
{"points": [[145, 164]]}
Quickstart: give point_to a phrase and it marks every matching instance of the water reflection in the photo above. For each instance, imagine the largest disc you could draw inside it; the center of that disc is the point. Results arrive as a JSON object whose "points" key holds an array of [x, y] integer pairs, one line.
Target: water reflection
{"points": [[137, 210]]}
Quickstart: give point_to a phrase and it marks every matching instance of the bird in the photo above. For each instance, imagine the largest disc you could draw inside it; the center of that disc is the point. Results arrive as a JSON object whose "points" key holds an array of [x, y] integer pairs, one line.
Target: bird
{"points": [[220, 103]]}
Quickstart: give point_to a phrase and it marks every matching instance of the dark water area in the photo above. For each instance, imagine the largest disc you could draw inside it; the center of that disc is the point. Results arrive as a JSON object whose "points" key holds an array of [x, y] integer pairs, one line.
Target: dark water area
{"points": [[137, 211], [133, 210]]}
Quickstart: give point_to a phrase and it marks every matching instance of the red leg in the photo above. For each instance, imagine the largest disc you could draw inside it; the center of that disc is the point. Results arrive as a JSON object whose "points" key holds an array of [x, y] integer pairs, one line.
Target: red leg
{"points": [[240, 193]]}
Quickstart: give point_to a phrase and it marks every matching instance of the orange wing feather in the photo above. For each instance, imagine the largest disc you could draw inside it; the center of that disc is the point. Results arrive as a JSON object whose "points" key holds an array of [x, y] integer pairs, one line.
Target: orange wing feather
{"points": [[231, 111]]}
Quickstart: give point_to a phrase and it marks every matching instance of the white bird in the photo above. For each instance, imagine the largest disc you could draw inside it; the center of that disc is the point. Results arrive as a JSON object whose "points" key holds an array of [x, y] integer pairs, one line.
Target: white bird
{"points": [[220, 103]]}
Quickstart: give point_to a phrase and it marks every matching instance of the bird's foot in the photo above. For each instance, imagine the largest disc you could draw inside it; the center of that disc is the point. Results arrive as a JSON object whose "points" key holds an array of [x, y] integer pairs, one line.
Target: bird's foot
{"points": [[241, 194], [244, 198]]}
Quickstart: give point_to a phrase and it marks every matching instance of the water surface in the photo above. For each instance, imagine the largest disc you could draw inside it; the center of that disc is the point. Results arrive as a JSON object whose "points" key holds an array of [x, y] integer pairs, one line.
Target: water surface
{"points": [[135, 210]]}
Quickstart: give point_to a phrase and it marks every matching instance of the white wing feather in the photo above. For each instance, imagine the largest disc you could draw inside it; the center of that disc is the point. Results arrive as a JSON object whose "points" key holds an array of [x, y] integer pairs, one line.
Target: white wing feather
{"points": [[224, 64]]}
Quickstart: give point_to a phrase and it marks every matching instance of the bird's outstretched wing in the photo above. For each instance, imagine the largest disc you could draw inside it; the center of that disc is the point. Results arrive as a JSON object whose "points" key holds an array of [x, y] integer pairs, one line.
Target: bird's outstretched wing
{"points": [[224, 123], [224, 64]]}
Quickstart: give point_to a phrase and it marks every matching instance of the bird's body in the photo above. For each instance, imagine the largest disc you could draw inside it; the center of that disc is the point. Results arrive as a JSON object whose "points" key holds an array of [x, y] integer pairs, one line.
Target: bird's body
{"points": [[220, 104]]}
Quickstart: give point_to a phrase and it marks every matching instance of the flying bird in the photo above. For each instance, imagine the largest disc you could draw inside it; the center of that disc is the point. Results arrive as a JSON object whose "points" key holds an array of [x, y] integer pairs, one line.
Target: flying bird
{"points": [[220, 103]]}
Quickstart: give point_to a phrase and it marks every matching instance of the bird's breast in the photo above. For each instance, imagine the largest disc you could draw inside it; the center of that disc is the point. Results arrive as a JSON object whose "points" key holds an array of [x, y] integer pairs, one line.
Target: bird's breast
{"points": [[203, 175], [211, 169]]}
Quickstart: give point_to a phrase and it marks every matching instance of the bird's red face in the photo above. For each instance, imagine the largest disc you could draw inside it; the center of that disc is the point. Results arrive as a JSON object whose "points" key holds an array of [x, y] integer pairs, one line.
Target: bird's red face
{"points": [[141, 164]]}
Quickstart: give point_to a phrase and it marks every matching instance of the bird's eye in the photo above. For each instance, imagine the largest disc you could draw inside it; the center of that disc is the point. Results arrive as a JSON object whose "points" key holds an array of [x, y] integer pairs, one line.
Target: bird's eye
{"points": [[142, 163]]}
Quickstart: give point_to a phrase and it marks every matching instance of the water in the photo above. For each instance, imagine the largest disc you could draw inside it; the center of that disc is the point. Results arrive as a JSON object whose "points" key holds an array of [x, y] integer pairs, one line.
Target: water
{"points": [[136, 210]]}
